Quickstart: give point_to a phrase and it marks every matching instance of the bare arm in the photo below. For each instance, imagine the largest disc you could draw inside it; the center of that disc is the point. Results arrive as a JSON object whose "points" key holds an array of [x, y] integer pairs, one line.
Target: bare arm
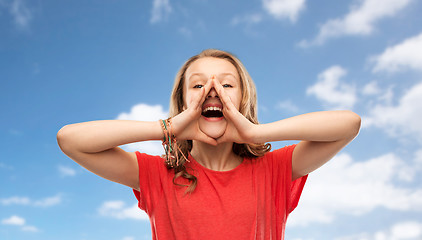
{"points": [[323, 135], [94, 145]]}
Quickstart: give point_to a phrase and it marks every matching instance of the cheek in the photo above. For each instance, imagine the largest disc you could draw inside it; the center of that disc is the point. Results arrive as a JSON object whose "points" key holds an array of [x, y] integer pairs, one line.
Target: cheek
{"points": [[188, 99], [236, 99]]}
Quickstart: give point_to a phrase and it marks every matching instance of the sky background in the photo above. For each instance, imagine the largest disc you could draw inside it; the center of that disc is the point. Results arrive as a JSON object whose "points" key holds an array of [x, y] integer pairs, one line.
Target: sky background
{"points": [[64, 62]]}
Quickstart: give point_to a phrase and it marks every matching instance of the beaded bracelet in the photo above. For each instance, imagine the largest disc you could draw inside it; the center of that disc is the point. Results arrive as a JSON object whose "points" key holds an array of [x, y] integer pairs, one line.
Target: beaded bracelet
{"points": [[171, 148]]}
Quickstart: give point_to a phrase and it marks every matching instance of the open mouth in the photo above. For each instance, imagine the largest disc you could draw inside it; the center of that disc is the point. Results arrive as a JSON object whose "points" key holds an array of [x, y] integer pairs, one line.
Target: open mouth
{"points": [[212, 112]]}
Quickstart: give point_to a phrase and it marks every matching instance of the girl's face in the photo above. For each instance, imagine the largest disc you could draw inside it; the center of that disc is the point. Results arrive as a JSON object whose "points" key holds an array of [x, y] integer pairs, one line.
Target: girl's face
{"points": [[212, 121]]}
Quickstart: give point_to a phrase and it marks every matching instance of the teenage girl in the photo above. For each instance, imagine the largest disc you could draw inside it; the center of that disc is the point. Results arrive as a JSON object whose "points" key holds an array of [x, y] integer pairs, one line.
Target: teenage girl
{"points": [[218, 178]]}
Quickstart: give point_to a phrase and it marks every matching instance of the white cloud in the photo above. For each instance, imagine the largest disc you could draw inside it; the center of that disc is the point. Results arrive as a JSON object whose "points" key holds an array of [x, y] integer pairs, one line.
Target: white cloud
{"points": [[402, 119], [30, 229], [149, 147], [21, 13], [360, 20], [66, 171], [403, 56], [160, 10], [49, 201], [418, 158], [118, 210], [376, 95], [333, 93], [287, 105], [15, 200], [371, 88], [14, 220], [19, 221], [128, 238], [347, 187], [409, 230], [144, 112], [281, 9], [46, 202]]}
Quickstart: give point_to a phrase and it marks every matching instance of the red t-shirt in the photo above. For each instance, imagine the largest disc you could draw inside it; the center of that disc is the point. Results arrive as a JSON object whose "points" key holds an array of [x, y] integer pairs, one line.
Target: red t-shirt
{"points": [[251, 201]]}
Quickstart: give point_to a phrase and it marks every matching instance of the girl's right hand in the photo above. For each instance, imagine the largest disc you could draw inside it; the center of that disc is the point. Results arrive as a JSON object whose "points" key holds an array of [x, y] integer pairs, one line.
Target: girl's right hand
{"points": [[185, 125]]}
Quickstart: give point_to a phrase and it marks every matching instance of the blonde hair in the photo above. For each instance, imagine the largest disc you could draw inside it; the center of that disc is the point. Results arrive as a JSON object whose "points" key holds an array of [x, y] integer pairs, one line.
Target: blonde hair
{"points": [[248, 107]]}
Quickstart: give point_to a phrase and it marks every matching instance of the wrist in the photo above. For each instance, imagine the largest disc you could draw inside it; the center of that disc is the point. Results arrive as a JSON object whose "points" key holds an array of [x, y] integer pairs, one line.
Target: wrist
{"points": [[258, 133]]}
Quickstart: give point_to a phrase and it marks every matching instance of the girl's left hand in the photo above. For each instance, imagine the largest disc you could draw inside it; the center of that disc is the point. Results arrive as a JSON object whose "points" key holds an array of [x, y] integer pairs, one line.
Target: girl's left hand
{"points": [[239, 129]]}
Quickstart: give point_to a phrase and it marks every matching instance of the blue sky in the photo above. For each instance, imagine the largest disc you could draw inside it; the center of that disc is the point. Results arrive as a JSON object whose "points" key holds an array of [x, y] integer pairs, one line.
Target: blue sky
{"points": [[63, 62]]}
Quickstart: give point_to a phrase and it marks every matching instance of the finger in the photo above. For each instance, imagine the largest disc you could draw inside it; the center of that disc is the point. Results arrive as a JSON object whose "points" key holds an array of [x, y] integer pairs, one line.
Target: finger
{"points": [[197, 99], [223, 96], [200, 98], [222, 139], [206, 139], [207, 88]]}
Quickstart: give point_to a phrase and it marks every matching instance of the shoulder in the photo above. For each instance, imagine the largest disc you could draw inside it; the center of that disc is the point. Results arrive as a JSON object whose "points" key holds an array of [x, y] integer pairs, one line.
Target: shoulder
{"points": [[281, 153], [141, 156], [276, 157], [149, 161]]}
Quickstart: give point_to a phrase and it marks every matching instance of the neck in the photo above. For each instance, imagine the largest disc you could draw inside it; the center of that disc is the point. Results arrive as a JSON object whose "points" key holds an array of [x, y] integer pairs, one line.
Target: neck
{"points": [[217, 158]]}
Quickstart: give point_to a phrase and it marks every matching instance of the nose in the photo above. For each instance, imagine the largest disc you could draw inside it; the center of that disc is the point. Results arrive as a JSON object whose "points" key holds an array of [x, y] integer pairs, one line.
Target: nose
{"points": [[212, 94]]}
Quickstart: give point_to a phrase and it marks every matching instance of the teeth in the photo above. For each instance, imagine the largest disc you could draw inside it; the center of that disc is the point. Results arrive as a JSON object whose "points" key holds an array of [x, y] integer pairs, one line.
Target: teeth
{"points": [[212, 109]]}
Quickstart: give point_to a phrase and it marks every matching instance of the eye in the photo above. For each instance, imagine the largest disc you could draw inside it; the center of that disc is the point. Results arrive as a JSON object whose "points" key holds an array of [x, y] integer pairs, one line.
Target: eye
{"points": [[198, 86], [227, 86]]}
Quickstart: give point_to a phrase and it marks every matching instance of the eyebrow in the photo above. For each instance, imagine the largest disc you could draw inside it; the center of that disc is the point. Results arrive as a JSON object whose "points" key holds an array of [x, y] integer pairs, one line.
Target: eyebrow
{"points": [[221, 74]]}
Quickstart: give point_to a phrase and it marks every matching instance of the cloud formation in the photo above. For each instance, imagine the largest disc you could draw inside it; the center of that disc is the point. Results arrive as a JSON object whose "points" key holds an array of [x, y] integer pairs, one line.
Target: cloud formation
{"points": [[15, 200], [333, 93], [160, 10], [400, 120], [409, 230], [49, 201], [14, 220], [145, 112], [19, 221], [118, 210], [45, 202], [347, 187], [284, 9], [128, 238], [371, 88], [360, 20], [65, 171], [19, 11], [406, 55]]}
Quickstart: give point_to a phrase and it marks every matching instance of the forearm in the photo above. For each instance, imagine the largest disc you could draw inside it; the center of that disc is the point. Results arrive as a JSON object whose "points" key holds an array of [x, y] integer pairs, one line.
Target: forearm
{"points": [[328, 126], [97, 136]]}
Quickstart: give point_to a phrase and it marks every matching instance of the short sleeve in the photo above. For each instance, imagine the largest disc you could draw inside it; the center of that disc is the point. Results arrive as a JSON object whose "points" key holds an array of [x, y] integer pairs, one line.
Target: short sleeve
{"points": [[150, 168], [288, 192]]}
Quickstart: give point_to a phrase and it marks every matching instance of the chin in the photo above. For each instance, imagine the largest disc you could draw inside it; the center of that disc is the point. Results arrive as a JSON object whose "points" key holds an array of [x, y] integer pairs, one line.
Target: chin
{"points": [[214, 128]]}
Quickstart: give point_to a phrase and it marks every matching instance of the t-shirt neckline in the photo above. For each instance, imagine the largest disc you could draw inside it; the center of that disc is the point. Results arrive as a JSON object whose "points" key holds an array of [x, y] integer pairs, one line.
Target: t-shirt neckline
{"points": [[193, 160]]}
